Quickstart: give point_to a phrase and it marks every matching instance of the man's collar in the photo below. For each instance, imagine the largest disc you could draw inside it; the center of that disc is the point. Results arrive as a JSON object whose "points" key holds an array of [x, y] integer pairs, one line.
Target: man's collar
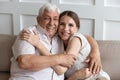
{"points": [[41, 30]]}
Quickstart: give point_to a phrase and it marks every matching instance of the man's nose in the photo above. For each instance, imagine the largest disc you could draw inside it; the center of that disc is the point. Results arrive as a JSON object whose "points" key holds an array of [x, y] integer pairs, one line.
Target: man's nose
{"points": [[51, 22]]}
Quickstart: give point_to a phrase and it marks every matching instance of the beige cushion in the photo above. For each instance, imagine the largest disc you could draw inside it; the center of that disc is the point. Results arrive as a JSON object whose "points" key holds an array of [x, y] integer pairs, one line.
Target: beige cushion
{"points": [[6, 41], [4, 75], [110, 56]]}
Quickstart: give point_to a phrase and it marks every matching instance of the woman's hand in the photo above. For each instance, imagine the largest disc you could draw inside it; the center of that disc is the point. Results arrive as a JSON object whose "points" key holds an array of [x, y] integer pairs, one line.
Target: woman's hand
{"points": [[80, 74], [32, 38]]}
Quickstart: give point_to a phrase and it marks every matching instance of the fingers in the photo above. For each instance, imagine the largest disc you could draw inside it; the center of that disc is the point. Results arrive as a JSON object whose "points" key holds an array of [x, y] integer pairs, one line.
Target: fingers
{"points": [[72, 60], [25, 31], [98, 69], [83, 73], [35, 32], [94, 67], [87, 60], [73, 56], [69, 66], [91, 66], [68, 60], [25, 34], [88, 73]]}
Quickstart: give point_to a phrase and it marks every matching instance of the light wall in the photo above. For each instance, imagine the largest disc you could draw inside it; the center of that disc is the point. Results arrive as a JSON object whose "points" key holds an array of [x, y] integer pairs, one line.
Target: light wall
{"points": [[99, 18]]}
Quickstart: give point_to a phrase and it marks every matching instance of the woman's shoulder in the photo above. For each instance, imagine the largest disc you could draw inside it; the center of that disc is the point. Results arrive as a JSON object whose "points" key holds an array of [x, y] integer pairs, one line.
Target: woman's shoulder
{"points": [[78, 34]]}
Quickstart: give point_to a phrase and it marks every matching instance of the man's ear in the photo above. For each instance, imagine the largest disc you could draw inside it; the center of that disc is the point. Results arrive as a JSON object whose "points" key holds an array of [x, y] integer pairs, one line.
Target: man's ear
{"points": [[38, 19]]}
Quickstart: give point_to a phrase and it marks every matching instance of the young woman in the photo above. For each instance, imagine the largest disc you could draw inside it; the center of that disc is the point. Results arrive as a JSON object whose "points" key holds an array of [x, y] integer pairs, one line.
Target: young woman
{"points": [[76, 44]]}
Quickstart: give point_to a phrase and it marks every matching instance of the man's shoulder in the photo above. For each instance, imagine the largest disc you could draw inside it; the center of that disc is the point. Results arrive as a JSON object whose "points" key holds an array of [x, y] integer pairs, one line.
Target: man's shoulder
{"points": [[31, 28]]}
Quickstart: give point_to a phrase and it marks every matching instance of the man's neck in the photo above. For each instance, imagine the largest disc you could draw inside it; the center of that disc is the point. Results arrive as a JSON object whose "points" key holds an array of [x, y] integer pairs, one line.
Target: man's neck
{"points": [[50, 40], [51, 37]]}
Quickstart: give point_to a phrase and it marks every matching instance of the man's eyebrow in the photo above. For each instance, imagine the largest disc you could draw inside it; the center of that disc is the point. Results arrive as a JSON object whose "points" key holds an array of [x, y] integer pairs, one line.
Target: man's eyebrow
{"points": [[56, 16]]}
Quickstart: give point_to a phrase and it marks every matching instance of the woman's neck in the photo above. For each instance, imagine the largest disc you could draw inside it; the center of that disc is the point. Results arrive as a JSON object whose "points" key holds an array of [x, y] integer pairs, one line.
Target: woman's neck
{"points": [[65, 44]]}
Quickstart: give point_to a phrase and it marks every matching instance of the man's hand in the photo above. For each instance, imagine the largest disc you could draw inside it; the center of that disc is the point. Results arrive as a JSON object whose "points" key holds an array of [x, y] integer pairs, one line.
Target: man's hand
{"points": [[94, 61], [66, 60], [94, 57]]}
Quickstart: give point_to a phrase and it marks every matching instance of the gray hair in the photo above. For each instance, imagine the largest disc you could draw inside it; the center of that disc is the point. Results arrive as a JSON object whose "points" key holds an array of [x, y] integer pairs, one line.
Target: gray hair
{"points": [[48, 7]]}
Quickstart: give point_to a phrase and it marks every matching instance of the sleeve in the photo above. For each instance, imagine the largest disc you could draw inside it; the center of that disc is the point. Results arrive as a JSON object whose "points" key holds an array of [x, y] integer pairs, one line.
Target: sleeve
{"points": [[21, 47], [80, 36]]}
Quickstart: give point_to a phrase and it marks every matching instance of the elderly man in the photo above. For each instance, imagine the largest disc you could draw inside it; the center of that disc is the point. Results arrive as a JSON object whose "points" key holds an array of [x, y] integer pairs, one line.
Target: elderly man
{"points": [[29, 64]]}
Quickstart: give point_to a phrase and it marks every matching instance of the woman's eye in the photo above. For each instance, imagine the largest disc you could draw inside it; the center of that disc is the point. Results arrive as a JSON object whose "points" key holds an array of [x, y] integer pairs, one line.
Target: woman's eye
{"points": [[71, 25]]}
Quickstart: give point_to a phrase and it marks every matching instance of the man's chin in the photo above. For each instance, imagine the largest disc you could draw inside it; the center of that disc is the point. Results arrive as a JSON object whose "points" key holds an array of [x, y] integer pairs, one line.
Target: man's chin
{"points": [[52, 34]]}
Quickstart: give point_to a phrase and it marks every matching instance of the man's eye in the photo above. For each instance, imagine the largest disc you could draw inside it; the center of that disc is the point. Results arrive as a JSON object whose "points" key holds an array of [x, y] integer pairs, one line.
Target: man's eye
{"points": [[46, 18]]}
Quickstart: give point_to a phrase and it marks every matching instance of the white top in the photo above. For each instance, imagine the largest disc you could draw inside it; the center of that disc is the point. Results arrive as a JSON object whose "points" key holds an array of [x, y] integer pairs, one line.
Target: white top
{"points": [[22, 47], [82, 55]]}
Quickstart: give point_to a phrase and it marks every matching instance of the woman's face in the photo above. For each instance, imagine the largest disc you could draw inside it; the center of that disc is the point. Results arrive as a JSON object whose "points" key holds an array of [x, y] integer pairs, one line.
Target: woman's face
{"points": [[67, 27]]}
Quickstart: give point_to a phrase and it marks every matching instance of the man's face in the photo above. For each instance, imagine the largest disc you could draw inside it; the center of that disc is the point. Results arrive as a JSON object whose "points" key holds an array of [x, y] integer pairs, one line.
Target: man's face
{"points": [[49, 21]]}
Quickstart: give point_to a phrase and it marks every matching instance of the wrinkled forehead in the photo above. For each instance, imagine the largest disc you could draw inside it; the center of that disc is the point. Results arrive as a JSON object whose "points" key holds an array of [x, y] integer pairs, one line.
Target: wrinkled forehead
{"points": [[51, 12]]}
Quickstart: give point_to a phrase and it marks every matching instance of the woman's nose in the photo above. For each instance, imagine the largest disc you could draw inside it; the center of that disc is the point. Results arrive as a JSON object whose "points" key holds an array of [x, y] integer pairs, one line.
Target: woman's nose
{"points": [[66, 27]]}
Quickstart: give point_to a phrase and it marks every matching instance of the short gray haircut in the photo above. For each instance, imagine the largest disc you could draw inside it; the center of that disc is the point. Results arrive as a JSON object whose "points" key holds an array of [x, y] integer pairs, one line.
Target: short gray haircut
{"points": [[48, 7]]}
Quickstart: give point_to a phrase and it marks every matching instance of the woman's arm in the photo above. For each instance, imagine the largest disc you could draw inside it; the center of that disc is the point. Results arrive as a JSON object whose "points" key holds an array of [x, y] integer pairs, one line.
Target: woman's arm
{"points": [[74, 46], [80, 74], [34, 40], [59, 69], [94, 57]]}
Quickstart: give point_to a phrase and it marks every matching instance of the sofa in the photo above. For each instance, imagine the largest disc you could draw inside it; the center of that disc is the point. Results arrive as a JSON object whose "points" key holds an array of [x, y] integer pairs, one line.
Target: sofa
{"points": [[110, 56]]}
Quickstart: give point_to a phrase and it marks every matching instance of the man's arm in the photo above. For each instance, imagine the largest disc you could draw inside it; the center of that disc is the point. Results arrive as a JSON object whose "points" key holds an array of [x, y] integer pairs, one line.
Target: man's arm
{"points": [[34, 62], [24, 54], [94, 57], [59, 69], [34, 40]]}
